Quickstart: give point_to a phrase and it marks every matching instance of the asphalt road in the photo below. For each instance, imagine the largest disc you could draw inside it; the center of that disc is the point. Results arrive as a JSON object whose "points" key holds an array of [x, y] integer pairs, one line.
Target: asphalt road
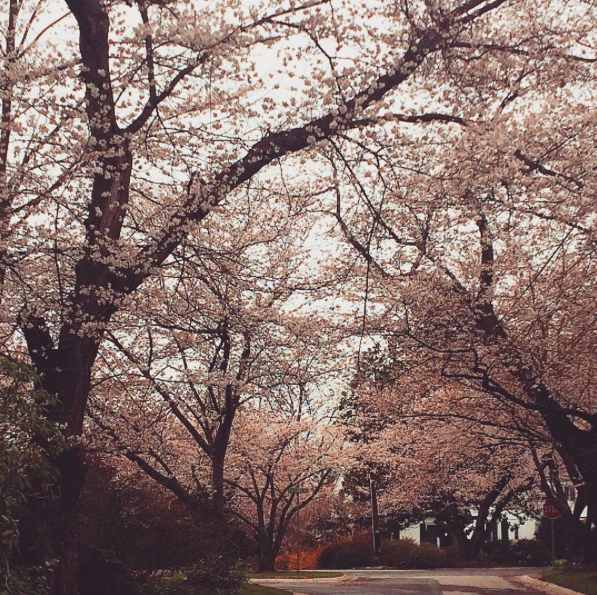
{"points": [[485, 581]]}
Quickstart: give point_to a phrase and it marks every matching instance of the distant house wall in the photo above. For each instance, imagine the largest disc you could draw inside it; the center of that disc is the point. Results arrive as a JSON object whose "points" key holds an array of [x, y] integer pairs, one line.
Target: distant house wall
{"points": [[413, 532], [428, 532]]}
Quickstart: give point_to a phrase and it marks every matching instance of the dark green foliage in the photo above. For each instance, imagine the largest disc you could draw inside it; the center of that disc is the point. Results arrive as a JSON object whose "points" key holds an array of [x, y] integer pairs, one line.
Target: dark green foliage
{"points": [[568, 542], [498, 552], [214, 575], [218, 574], [145, 526], [140, 523], [351, 554], [530, 552], [405, 553], [100, 573], [28, 441], [525, 552], [399, 553], [21, 580], [137, 521], [429, 556]]}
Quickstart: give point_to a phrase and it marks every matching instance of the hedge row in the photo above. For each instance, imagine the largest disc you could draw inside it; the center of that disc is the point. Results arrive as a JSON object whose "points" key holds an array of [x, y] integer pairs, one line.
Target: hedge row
{"points": [[404, 553]]}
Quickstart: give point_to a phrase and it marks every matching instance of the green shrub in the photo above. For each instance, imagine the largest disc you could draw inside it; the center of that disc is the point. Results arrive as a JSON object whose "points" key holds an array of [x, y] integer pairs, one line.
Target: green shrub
{"points": [[405, 553], [100, 573], [327, 556], [350, 554], [429, 556], [214, 575], [218, 574], [454, 557], [28, 441], [530, 552], [499, 552], [399, 553], [525, 552], [21, 580]]}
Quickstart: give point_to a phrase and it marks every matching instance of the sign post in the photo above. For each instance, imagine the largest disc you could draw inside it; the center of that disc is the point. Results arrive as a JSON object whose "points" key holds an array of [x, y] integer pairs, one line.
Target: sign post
{"points": [[375, 523], [551, 512], [298, 492]]}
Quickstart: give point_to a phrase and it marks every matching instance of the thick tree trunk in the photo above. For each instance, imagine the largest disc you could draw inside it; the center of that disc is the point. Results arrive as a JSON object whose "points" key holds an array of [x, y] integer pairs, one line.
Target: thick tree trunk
{"points": [[470, 547], [218, 496], [477, 542], [455, 529], [71, 466], [51, 530], [65, 373], [267, 555], [267, 562]]}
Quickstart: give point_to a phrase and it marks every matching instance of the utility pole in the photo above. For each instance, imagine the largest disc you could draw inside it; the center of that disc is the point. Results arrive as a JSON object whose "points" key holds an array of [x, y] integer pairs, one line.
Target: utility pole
{"points": [[298, 533], [297, 492], [375, 524]]}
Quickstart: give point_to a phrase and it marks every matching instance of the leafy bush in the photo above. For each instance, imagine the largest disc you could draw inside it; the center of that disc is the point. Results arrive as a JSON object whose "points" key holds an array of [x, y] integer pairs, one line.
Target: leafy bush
{"points": [[22, 580], [309, 559], [399, 553], [499, 552], [218, 574], [428, 555], [327, 556], [525, 552], [100, 573], [214, 575], [405, 553], [454, 558], [350, 554], [28, 440], [531, 552]]}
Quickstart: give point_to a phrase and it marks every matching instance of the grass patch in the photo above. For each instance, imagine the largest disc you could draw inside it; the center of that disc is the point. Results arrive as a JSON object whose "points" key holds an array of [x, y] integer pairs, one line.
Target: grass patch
{"points": [[170, 586], [581, 581], [291, 574]]}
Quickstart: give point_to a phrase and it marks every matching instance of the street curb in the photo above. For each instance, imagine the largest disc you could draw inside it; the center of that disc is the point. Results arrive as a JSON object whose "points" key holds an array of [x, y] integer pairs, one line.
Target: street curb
{"points": [[307, 581], [550, 588]]}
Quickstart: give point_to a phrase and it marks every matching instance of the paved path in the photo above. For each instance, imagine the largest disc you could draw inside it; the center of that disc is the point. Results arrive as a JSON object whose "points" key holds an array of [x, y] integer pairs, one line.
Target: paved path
{"points": [[485, 581]]}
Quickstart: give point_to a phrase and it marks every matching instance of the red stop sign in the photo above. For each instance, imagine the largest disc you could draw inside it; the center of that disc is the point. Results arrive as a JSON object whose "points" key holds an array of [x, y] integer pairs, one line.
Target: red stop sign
{"points": [[550, 511]]}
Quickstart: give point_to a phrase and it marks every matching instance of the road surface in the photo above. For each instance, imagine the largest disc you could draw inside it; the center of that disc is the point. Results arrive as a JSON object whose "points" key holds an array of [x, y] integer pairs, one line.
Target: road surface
{"points": [[483, 581]]}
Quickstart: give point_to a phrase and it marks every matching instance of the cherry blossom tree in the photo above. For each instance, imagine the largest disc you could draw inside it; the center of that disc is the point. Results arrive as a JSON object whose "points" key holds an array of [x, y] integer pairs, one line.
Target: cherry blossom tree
{"points": [[127, 125], [272, 454], [464, 479], [433, 454], [169, 393], [475, 224], [412, 388], [176, 414], [224, 331]]}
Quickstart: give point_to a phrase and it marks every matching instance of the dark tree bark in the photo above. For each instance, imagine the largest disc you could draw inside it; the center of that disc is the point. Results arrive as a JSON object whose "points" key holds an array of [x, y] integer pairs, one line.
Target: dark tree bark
{"points": [[489, 512], [576, 443]]}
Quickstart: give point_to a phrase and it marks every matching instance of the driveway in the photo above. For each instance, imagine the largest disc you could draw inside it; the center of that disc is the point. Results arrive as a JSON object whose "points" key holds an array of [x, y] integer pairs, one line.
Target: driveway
{"points": [[484, 581]]}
